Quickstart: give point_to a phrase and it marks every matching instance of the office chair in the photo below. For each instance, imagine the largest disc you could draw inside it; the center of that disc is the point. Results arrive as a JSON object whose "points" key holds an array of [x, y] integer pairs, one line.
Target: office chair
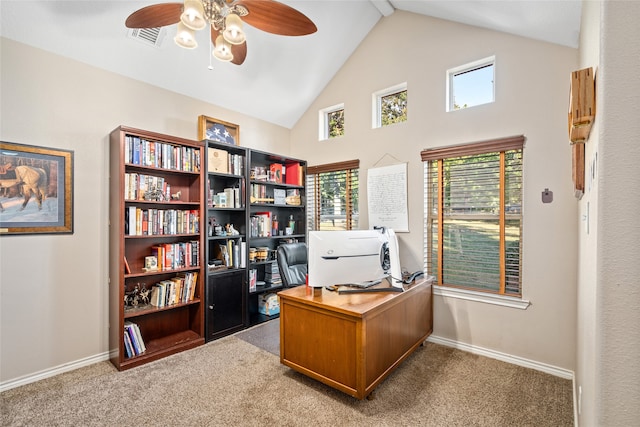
{"points": [[292, 263]]}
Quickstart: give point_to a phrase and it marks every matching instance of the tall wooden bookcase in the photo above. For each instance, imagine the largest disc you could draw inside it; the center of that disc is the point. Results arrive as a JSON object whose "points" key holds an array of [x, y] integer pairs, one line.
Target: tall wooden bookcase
{"points": [[256, 182], [156, 211]]}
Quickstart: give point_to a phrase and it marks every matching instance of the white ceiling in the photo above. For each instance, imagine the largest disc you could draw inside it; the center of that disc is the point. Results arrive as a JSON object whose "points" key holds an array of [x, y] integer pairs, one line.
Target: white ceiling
{"points": [[282, 75]]}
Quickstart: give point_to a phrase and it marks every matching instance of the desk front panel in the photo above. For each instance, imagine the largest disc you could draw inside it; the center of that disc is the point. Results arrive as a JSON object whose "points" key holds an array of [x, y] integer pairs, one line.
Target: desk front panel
{"points": [[320, 344], [392, 334]]}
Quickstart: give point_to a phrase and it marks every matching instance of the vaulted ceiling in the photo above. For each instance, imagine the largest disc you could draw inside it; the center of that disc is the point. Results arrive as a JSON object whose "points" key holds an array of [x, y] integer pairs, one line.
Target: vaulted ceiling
{"points": [[281, 76]]}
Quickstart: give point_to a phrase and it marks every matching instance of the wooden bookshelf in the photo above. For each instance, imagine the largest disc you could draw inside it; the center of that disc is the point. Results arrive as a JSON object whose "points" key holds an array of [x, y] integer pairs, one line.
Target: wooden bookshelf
{"points": [[156, 187]]}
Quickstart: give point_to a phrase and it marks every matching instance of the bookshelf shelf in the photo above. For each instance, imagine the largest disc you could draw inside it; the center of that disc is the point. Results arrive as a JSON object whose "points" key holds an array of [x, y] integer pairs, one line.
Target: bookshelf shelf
{"points": [[130, 313], [163, 232], [163, 347]]}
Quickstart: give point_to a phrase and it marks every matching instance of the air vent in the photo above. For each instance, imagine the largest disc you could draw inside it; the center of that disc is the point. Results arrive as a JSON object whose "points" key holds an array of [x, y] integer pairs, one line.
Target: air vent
{"points": [[149, 36]]}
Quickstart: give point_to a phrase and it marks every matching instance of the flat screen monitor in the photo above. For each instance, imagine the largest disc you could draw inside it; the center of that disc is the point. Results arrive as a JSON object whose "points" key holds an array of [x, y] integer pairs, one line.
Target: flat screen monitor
{"points": [[346, 257]]}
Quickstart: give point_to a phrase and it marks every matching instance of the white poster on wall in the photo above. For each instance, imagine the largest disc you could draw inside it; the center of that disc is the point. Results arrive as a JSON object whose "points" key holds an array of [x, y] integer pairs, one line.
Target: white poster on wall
{"points": [[387, 197]]}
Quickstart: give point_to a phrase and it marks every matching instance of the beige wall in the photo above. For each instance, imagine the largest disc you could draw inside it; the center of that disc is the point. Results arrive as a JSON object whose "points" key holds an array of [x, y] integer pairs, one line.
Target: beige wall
{"points": [[54, 308], [588, 240], [616, 363], [531, 98]]}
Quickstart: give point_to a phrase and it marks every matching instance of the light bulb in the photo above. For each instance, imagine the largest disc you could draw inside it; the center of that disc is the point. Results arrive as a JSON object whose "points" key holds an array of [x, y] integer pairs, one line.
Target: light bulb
{"points": [[193, 15], [233, 29], [222, 50], [185, 37]]}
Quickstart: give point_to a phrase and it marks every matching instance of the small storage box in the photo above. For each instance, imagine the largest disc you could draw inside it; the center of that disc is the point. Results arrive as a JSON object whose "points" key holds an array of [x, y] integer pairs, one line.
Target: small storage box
{"points": [[268, 304]]}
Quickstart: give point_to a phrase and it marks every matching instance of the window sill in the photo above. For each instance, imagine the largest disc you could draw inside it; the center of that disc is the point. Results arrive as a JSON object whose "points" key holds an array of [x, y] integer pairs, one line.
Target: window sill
{"points": [[502, 300]]}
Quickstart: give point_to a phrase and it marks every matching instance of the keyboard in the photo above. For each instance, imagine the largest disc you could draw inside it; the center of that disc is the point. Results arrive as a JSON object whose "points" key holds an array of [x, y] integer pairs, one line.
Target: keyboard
{"points": [[364, 285]]}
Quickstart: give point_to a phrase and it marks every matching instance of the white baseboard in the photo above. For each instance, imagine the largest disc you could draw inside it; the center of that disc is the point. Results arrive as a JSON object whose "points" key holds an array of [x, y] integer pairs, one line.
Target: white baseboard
{"points": [[47, 373], [519, 361]]}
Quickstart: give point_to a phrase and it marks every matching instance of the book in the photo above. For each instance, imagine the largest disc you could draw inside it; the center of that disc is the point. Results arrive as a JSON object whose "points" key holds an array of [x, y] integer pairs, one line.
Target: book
{"points": [[276, 172], [230, 197], [128, 345], [243, 254], [253, 279], [279, 196], [293, 173], [217, 160]]}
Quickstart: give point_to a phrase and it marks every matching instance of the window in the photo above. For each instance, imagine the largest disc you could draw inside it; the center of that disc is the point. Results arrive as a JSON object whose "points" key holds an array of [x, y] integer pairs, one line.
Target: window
{"points": [[390, 106], [332, 201], [471, 84], [331, 120], [473, 216]]}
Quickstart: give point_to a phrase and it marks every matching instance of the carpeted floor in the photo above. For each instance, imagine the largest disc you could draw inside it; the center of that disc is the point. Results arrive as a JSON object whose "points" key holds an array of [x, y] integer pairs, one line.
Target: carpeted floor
{"points": [[266, 336], [230, 382]]}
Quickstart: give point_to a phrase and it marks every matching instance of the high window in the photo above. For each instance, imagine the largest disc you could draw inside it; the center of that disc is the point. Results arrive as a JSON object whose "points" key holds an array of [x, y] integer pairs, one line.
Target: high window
{"points": [[389, 106], [473, 215], [471, 84], [331, 122], [332, 201]]}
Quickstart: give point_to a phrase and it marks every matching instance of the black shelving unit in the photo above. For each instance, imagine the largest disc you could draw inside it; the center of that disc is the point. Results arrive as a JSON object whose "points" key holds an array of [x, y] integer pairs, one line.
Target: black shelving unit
{"points": [[235, 287]]}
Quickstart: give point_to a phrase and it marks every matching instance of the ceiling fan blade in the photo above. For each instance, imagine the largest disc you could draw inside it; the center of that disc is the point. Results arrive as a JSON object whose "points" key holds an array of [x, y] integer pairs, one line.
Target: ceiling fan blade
{"points": [[277, 18], [156, 15], [239, 52]]}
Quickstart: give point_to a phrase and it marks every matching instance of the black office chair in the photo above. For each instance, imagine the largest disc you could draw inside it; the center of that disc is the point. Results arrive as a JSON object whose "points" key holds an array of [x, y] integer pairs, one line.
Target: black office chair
{"points": [[292, 263]]}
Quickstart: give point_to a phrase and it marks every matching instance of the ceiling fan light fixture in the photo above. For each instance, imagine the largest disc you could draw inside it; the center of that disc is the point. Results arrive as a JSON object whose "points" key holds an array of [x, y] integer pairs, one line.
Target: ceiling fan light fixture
{"points": [[185, 37], [222, 50], [193, 15], [233, 32]]}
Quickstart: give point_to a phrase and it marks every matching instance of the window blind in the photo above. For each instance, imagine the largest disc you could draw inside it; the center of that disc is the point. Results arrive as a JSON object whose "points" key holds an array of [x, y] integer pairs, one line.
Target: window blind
{"points": [[332, 203], [473, 218]]}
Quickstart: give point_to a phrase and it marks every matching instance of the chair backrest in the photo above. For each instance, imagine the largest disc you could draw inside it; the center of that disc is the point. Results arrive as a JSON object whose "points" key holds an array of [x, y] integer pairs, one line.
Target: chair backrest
{"points": [[292, 263]]}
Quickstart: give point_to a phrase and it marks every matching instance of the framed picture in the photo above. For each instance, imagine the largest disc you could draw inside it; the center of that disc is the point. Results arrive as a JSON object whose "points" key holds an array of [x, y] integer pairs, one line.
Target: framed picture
{"points": [[218, 130], [36, 185]]}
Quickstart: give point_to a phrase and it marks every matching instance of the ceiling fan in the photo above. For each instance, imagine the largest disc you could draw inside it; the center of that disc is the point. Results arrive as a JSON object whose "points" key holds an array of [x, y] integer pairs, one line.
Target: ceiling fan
{"points": [[225, 18]]}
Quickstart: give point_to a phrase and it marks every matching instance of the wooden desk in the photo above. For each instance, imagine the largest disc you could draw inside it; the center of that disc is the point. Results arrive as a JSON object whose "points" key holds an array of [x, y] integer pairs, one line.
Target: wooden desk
{"points": [[352, 342]]}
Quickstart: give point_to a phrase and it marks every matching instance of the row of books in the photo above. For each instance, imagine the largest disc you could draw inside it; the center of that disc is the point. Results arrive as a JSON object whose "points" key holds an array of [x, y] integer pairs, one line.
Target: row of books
{"points": [[151, 222], [137, 185], [179, 289], [229, 198], [172, 256], [142, 152], [272, 275], [221, 161], [232, 253], [290, 173], [133, 342], [260, 224], [259, 194]]}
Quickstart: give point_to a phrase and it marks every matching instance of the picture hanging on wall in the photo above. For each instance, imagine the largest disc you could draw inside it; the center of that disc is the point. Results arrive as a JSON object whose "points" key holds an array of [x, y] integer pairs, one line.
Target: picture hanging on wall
{"points": [[36, 190], [218, 130]]}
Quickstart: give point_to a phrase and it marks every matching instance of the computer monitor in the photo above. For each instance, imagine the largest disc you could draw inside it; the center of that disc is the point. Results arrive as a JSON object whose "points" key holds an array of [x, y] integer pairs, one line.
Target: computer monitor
{"points": [[348, 256]]}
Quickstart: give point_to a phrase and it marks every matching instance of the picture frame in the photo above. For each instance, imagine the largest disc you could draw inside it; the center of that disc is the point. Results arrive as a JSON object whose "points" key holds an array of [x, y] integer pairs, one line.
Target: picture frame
{"points": [[36, 190], [218, 130]]}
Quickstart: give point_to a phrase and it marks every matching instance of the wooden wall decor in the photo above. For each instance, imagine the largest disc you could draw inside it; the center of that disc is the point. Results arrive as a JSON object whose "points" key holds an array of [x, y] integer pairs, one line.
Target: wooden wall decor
{"points": [[577, 169], [218, 130], [582, 112], [582, 105]]}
